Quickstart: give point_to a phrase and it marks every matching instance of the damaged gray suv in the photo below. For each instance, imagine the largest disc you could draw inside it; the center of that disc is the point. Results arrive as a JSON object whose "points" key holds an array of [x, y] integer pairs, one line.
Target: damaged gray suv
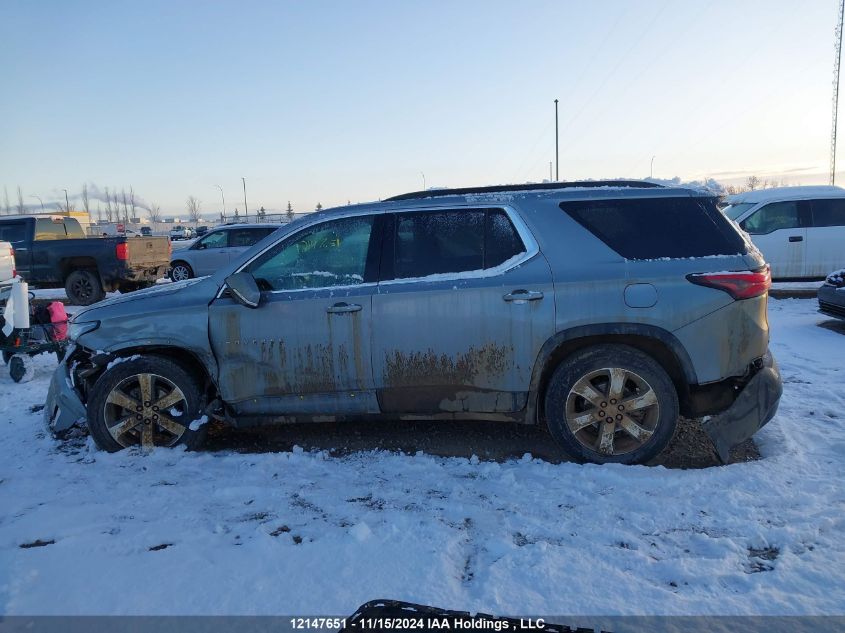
{"points": [[600, 310]]}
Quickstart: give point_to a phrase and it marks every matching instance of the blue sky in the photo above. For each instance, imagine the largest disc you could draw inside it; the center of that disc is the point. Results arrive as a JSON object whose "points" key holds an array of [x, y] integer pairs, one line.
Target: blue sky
{"points": [[335, 101]]}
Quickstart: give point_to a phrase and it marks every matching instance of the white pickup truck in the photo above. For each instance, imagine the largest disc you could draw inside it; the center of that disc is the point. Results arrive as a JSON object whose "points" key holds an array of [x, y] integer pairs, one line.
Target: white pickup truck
{"points": [[7, 262]]}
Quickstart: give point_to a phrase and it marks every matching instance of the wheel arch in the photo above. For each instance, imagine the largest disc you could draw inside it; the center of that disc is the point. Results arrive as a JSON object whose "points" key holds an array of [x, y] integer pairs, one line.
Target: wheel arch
{"points": [[658, 343]]}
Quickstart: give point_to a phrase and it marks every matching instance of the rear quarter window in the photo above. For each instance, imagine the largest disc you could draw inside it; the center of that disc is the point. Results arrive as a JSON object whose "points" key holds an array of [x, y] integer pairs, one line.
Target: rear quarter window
{"points": [[653, 228]]}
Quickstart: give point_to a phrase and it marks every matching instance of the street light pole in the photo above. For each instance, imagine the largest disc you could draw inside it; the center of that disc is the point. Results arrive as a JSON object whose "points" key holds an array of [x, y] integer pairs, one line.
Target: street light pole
{"points": [[651, 169], [557, 152], [246, 208], [223, 198], [423, 175], [39, 200], [67, 203]]}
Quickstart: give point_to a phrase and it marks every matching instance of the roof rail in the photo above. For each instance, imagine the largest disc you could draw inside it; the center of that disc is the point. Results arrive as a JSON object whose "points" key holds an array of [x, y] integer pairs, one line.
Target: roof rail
{"points": [[545, 186]]}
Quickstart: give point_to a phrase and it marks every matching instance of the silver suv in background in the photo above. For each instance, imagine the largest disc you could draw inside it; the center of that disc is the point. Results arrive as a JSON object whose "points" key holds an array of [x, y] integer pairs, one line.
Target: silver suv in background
{"points": [[600, 310], [216, 249]]}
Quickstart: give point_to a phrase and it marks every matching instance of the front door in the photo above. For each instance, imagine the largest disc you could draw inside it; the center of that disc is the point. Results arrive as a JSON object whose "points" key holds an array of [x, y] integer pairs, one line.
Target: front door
{"points": [[211, 253], [778, 230], [306, 349], [464, 305]]}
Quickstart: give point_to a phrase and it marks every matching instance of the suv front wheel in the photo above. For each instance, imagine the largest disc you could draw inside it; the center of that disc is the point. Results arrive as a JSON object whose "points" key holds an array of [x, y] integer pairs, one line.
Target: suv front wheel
{"points": [[148, 401], [611, 404]]}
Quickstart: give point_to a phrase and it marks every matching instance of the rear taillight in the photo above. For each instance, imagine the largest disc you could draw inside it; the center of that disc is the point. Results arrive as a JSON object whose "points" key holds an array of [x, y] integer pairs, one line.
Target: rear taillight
{"points": [[739, 285], [14, 269], [122, 251]]}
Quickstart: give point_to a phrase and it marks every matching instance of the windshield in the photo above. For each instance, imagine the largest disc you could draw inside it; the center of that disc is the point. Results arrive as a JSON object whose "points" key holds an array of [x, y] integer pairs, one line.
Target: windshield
{"points": [[734, 211]]}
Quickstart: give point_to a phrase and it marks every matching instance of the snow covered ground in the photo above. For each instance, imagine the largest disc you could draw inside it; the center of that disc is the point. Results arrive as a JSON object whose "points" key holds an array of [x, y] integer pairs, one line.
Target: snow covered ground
{"points": [[300, 532]]}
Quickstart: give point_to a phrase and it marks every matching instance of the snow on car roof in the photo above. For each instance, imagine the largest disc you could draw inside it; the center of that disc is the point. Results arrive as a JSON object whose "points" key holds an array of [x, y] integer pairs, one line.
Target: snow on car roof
{"points": [[786, 193]]}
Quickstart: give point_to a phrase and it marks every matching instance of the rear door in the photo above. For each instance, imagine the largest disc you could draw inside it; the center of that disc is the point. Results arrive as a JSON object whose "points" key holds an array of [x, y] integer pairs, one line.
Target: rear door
{"points": [[778, 229], [826, 237], [464, 304]]}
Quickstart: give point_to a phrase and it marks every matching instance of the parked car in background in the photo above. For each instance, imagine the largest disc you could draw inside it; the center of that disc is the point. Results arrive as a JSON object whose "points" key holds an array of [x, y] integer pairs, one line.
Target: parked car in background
{"points": [[180, 232], [800, 230], [832, 295], [7, 262], [146, 231], [52, 251], [601, 310], [201, 230], [216, 249]]}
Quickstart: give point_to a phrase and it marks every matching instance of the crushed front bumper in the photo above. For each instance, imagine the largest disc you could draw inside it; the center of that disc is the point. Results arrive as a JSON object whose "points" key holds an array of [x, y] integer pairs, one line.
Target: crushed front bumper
{"points": [[755, 405], [63, 407]]}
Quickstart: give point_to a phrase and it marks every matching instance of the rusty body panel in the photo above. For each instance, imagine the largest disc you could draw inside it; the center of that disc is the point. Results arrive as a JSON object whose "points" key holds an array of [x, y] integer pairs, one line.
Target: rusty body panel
{"points": [[457, 344], [292, 356]]}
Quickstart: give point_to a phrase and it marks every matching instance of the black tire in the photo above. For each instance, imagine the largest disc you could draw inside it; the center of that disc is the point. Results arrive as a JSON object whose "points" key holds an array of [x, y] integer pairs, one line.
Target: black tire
{"points": [[184, 271], [100, 409], [83, 287], [642, 378], [20, 368], [7, 356]]}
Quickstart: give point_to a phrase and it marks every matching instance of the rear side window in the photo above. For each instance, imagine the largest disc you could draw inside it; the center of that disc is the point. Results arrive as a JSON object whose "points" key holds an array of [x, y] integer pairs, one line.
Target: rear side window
{"points": [[659, 227], [47, 229], [248, 237], [829, 212], [73, 228], [12, 232], [451, 242]]}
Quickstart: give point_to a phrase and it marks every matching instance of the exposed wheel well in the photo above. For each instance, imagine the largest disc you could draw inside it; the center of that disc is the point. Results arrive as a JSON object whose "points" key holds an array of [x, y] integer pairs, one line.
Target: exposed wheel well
{"points": [[67, 266], [655, 348]]}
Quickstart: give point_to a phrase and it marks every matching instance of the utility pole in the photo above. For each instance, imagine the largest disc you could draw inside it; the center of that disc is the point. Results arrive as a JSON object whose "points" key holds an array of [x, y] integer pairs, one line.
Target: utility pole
{"points": [[423, 175], [223, 198], [550, 171], [557, 153], [651, 169], [67, 203], [836, 61], [246, 208]]}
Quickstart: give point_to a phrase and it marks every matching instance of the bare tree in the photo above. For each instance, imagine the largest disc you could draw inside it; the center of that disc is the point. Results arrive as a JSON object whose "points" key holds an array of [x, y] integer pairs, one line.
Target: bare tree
{"points": [[752, 183], [99, 213], [85, 206], [20, 201], [6, 204], [155, 213], [193, 206], [132, 200], [109, 212], [125, 206]]}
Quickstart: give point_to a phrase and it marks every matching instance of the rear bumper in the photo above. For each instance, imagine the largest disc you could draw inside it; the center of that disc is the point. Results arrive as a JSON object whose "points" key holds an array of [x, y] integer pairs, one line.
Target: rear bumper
{"points": [[755, 405], [63, 407]]}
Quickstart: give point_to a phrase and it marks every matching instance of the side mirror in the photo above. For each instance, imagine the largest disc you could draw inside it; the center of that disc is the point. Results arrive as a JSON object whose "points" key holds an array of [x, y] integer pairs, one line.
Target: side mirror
{"points": [[244, 289]]}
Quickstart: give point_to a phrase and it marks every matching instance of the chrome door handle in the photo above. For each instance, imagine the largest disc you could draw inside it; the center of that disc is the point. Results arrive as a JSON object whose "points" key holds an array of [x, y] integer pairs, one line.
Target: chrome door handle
{"points": [[523, 295], [343, 308]]}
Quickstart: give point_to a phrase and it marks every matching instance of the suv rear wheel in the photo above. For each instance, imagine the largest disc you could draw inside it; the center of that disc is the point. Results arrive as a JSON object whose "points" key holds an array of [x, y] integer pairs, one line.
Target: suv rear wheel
{"points": [[148, 401], [611, 404]]}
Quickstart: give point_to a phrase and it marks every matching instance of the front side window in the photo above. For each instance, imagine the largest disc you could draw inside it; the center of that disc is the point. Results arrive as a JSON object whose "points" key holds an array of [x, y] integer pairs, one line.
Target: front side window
{"points": [[218, 239], [326, 255], [829, 212], [774, 216], [48, 229]]}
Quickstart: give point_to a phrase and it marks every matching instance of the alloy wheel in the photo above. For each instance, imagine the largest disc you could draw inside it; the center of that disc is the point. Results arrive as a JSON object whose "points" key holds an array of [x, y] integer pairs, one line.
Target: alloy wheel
{"points": [[612, 411], [147, 410]]}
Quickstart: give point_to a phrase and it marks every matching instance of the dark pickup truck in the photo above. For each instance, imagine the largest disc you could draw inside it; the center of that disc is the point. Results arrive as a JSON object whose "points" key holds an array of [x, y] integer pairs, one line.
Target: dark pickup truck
{"points": [[52, 251]]}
